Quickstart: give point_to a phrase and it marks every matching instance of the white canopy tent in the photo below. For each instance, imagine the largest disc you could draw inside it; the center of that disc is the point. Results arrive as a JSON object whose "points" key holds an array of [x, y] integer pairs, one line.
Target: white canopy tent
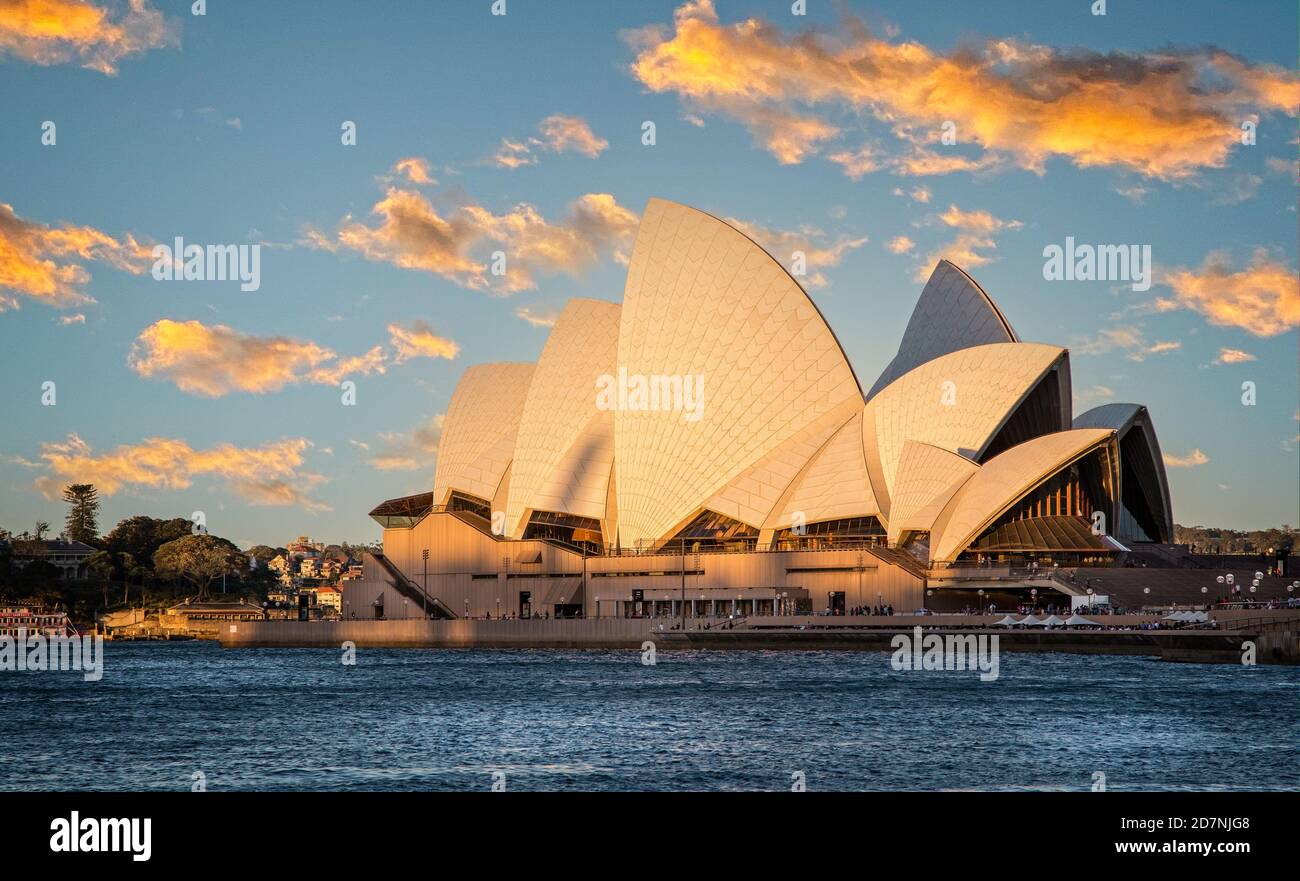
{"points": [[1080, 621]]}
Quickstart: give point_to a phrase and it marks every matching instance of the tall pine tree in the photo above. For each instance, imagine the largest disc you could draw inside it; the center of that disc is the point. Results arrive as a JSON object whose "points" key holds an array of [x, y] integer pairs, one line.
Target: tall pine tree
{"points": [[83, 516]]}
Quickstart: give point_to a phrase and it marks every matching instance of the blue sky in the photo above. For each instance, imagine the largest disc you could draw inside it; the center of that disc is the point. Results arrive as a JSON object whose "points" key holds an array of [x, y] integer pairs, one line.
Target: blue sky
{"points": [[225, 128]]}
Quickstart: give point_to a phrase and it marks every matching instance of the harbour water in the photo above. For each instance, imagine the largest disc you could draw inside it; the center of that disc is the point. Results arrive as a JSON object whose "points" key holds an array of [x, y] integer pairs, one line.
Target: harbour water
{"points": [[299, 719]]}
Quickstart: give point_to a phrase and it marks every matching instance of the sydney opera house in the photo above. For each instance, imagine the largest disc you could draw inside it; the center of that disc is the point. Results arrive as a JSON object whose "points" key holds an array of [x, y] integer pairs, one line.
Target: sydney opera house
{"points": [[707, 442]]}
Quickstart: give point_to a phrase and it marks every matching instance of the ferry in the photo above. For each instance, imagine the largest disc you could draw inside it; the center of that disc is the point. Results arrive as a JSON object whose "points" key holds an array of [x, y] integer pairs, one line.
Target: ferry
{"points": [[35, 621]]}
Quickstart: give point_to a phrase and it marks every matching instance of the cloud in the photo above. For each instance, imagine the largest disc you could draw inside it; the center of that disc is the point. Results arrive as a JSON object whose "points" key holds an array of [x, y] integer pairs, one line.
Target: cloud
{"points": [[1165, 114], [412, 450], [921, 162], [1286, 167], [215, 360], [415, 169], [975, 235], [562, 134], [1191, 460], [265, 475], [976, 221], [44, 262], [1263, 299], [412, 234], [1129, 339], [1085, 398], [92, 34], [78, 318], [514, 154], [792, 137], [820, 250], [1135, 193], [537, 319], [420, 341], [557, 133], [857, 163], [1233, 356], [900, 245]]}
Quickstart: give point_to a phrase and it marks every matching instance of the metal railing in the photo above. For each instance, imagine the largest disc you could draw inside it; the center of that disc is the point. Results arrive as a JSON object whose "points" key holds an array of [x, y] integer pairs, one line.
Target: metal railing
{"points": [[676, 549]]}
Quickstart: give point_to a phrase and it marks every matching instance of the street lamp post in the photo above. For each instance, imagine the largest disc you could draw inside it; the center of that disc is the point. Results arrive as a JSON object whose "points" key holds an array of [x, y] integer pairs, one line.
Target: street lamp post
{"points": [[424, 600], [683, 603]]}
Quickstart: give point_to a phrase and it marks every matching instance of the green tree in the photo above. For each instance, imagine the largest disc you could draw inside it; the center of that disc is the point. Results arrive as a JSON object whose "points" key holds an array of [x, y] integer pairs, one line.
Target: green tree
{"points": [[200, 560], [142, 536], [82, 523], [107, 567], [263, 554]]}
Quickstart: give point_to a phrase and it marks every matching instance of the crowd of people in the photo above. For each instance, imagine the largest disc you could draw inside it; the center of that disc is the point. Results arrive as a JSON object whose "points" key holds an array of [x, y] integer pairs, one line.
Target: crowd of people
{"points": [[880, 611]]}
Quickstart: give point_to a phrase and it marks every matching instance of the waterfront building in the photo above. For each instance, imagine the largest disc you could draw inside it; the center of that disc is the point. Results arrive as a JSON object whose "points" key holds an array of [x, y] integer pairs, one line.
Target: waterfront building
{"points": [[207, 618], [68, 556], [705, 448]]}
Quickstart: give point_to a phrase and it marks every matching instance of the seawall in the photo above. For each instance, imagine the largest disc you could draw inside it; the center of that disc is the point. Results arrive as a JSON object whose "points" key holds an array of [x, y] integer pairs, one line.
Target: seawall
{"points": [[1278, 642], [574, 633]]}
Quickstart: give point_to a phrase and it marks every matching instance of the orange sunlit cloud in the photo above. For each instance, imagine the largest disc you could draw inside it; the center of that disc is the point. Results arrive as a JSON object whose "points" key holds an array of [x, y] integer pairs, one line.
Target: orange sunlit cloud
{"points": [[42, 262], [409, 451], [420, 341], [537, 319], [557, 133], [49, 32], [1262, 299], [1167, 114], [571, 133], [819, 252], [265, 475], [975, 231], [1233, 356], [414, 169], [1191, 460], [215, 360], [412, 234]]}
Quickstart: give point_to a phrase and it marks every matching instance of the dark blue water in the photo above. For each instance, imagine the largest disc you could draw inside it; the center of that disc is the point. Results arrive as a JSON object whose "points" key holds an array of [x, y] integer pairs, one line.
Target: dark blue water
{"points": [[403, 719]]}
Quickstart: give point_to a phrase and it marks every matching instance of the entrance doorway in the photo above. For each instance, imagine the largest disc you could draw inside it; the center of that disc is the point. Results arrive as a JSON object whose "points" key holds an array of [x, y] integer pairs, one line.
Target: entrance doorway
{"points": [[837, 602]]}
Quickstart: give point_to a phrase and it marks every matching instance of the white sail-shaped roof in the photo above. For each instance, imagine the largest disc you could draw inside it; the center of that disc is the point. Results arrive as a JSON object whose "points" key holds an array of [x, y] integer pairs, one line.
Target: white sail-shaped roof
{"points": [[478, 433], [927, 478], [1123, 418], [956, 402], [1116, 416], [753, 497], [1004, 480], [953, 313], [564, 447], [834, 484], [703, 301]]}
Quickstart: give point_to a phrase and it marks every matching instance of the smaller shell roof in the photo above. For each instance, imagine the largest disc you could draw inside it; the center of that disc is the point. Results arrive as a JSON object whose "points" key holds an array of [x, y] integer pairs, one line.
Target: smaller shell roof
{"points": [[1004, 479], [952, 313], [928, 476]]}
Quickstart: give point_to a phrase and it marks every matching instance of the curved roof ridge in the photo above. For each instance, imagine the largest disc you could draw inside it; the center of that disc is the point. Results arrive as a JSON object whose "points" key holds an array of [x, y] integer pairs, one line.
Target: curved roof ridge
{"points": [[811, 301], [997, 310], [1004, 480], [952, 313]]}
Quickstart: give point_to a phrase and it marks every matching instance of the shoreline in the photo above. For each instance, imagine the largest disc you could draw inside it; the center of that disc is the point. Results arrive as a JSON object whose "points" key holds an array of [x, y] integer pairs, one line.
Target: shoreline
{"points": [[1276, 637]]}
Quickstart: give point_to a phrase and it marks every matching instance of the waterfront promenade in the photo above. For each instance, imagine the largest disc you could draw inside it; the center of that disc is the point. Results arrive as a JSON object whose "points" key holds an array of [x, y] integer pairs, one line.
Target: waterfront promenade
{"points": [[1275, 633]]}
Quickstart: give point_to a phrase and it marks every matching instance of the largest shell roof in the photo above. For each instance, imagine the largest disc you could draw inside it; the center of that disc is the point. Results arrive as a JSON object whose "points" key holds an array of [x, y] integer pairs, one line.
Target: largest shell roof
{"points": [[783, 432]]}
